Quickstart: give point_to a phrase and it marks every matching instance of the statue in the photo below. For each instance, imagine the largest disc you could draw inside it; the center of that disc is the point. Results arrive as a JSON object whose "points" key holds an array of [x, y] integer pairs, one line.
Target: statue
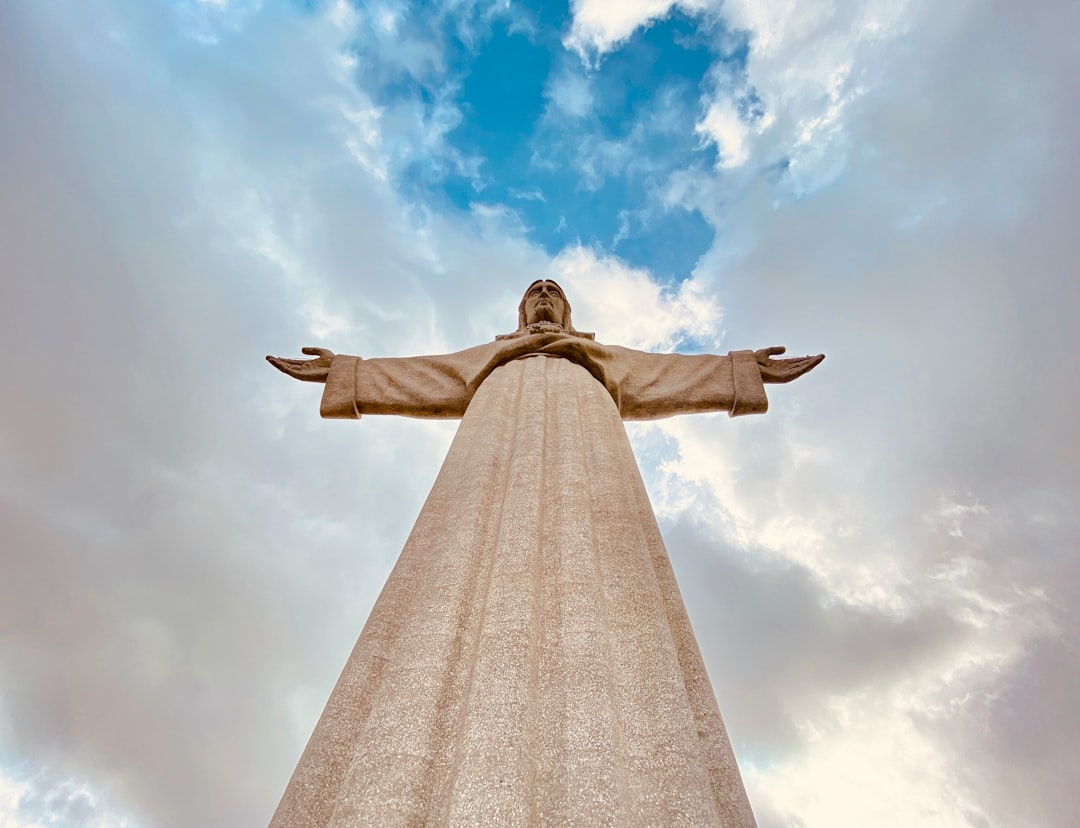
{"points": [[529, 660]]}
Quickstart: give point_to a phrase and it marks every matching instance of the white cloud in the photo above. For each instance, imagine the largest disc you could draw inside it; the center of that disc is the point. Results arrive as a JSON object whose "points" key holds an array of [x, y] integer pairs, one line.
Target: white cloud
{"points": [[342, 14], [570, 94], [951, 515], [880, 754], [711, 472], [870, 760], [808, 61], [623, 306], [600, 26], [728, 131], [890, 746], [205, 21], [775, 25], [46, 800], [365, 139]]}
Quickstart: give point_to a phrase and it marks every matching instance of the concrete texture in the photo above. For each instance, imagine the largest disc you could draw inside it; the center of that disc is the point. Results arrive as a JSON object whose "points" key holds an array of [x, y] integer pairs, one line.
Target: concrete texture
{"points": [[529, 660]]}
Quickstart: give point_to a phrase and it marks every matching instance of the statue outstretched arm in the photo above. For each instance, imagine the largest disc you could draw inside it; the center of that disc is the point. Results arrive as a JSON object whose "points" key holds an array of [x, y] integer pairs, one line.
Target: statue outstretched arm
{"points": [[423, 386], [644, 385], [651, 386]]}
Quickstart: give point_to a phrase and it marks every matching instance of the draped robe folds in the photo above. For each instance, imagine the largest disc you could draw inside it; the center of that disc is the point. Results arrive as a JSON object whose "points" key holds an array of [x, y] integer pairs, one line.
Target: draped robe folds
{"points": [[529, 660]]}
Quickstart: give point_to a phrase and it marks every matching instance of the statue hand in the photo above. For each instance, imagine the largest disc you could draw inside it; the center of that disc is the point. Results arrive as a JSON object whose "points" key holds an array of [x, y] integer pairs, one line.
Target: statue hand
{"points": [[308, 370], [783, 370]]}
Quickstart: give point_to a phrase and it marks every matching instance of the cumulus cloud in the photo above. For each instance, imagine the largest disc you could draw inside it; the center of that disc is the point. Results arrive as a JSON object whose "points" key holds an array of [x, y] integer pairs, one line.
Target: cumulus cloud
{"points": [[723, 126], [807, 62], [626, 307], [42, 800], [599, 27]]}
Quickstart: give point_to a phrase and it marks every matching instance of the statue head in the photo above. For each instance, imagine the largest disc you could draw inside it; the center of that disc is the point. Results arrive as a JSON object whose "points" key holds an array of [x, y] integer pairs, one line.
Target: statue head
{"points": [[544, 301], [544, 309]]}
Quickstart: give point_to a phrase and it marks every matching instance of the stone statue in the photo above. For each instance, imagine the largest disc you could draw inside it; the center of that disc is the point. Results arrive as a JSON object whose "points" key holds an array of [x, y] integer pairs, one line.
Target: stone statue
{"points": [[529, 660]]}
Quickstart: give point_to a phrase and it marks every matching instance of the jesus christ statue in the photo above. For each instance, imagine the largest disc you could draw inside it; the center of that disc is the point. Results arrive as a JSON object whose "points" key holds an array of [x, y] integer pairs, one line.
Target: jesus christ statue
{"points": [[529, 660]]}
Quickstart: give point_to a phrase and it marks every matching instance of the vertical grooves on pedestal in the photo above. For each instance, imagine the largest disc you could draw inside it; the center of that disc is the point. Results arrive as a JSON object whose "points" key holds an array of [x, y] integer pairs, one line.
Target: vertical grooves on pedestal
{"points": [[619, 583], [666, 774], [534, 707], [442, 801], [617, 757], [407, 791]]}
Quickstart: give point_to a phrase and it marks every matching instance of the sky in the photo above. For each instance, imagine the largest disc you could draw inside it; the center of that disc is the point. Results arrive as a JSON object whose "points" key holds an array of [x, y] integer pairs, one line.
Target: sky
{"points": [[882, 572]]}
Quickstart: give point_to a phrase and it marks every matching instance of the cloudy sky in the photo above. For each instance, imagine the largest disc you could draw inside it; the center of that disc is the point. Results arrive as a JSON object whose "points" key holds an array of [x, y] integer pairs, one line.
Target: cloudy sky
{"points": [[883, 571]]}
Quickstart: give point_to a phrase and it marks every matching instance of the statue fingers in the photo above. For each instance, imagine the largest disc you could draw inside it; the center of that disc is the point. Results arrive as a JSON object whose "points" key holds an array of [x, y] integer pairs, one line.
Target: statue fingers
{"points": [[764, 355], [295, 368], [808, 362], [795, 368], [808, 359]]}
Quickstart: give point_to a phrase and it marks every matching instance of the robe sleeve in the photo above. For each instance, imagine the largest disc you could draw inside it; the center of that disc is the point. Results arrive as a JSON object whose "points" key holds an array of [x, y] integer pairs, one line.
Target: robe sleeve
{"points": [[651, 386], [644, 386], [423, 386]]}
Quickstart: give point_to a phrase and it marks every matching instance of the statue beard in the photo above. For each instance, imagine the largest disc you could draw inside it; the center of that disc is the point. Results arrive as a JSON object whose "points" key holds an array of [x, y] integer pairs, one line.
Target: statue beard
{"points": [[545, 319], [545, 312]]}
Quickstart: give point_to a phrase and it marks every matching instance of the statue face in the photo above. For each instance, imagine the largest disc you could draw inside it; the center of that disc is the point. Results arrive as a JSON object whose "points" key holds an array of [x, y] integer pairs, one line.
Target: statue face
{"points": [[544, 303]]}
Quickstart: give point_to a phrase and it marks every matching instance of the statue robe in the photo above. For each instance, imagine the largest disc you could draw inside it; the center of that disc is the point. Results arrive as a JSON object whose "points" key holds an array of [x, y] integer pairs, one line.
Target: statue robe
{"points": [[529, 660]]}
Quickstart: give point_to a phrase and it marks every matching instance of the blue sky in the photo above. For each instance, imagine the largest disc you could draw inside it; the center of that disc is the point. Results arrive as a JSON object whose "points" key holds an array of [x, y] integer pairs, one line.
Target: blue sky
{"points": [[881, 572], [578, 153]]}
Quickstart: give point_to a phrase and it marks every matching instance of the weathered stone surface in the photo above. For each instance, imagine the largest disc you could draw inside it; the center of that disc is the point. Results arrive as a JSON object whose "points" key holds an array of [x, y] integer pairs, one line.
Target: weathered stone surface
{"points": [[529, 660]]}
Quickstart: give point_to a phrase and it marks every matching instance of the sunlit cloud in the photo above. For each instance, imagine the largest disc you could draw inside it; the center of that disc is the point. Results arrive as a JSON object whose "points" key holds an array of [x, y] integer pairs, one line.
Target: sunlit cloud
{"points": [[628, 308]]}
